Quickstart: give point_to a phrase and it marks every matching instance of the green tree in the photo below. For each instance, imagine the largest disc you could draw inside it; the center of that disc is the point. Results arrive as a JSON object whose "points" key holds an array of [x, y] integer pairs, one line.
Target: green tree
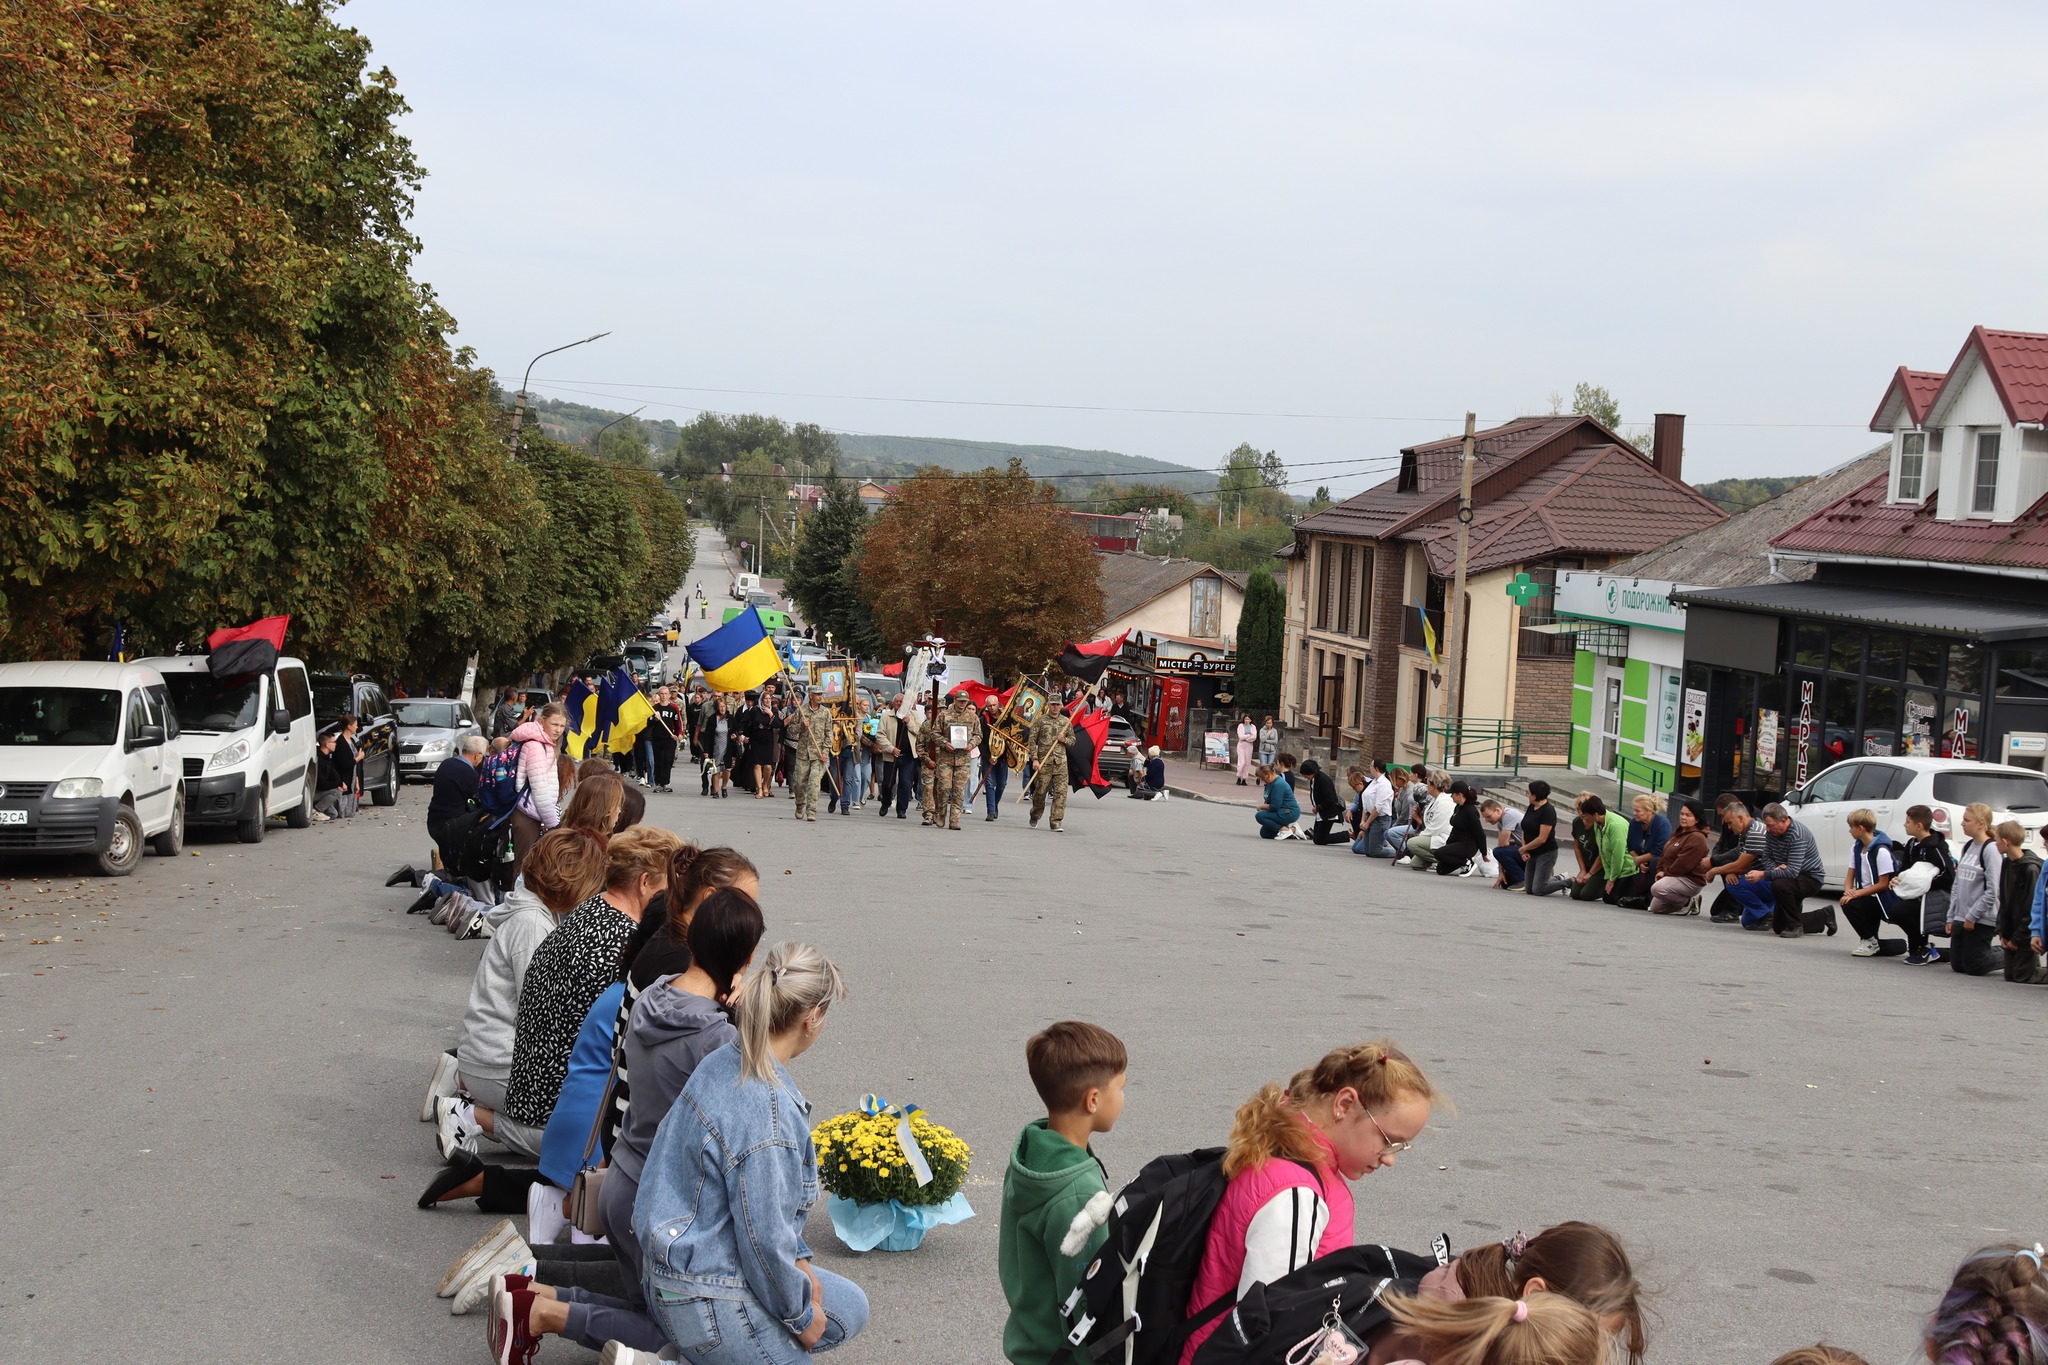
{"points": [[624, 443], [1261, 636], [1591, 400], [1241, 476], [1321, 499], [824, 575]]}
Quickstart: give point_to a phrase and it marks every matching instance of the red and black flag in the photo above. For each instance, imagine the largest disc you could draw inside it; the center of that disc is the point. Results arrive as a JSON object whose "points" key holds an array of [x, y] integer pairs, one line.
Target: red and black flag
{"points": [[1091, 733], [246, 649], [1087, 660]]}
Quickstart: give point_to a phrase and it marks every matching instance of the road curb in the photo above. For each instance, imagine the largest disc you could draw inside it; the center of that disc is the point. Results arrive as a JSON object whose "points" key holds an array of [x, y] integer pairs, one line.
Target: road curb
{"points": [[1193, 795]]}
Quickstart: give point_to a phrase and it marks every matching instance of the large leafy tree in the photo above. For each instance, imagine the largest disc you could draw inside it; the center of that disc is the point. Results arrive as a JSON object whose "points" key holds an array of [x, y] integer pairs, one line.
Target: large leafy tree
{"points": [[990, 559], [1261, 636], [824, 577]]}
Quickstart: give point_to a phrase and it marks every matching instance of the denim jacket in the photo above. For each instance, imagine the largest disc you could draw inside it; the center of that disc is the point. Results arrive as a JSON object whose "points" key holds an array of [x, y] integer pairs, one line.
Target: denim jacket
{"points": [[728, 1183]]}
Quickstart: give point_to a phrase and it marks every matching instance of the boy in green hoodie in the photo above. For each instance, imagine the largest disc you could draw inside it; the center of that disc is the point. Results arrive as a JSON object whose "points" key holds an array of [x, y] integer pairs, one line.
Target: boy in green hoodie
{"points": [[1055, 1197]]}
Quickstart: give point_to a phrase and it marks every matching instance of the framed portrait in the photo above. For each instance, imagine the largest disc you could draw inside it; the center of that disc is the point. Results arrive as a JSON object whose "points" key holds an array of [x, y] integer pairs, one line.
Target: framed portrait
{"points": [[832, 684]]}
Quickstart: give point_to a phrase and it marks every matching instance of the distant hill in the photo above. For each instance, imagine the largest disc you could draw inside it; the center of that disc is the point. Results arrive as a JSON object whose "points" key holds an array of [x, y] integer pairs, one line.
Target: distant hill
{"points": [[901, 454], [577, 423], [1733, 495]]}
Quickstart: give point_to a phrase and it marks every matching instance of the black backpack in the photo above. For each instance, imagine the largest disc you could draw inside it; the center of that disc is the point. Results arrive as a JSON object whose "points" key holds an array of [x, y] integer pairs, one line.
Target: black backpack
{"points": [[1131, 1306], [1272, 1319]]}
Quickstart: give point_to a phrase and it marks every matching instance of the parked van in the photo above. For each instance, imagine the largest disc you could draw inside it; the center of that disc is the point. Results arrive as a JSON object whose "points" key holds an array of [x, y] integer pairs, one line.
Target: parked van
{"points": [[87, 763], [744, 583], [247, 743]]}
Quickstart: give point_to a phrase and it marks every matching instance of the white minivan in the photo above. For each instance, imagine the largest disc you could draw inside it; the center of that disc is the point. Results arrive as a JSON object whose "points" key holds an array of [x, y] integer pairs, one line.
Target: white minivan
{"points": [[248, 744], [87, 763]]}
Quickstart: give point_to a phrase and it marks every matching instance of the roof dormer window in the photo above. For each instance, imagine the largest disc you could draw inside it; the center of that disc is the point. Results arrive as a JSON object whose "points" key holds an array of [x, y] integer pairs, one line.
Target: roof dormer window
{"points": [[1912, 467], [1984, 479]]}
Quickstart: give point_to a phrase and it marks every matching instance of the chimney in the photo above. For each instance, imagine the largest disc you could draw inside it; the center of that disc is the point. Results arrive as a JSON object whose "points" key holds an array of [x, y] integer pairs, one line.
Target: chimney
{"points": [[1667, 437]]}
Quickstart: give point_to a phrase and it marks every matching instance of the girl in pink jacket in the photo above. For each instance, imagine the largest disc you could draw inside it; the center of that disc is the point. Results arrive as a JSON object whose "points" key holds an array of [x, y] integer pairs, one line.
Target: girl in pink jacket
{"points": [[1292, 1153]]}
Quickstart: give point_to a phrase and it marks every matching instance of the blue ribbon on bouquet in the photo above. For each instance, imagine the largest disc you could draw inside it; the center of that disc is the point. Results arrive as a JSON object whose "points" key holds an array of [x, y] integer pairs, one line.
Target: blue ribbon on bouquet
{"points": [[875, 1107]]}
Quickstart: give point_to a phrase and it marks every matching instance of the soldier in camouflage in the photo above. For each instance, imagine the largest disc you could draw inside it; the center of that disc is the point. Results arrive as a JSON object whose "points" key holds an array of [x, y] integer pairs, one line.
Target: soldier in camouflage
{"points": [[949, 776], [810, 730], [1050, 732]]}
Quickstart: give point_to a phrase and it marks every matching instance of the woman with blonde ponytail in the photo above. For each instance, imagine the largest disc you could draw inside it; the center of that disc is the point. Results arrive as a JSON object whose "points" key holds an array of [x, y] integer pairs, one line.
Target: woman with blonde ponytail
{"points": [[730, 1179], [1548, 1329], [1292, 1151]]}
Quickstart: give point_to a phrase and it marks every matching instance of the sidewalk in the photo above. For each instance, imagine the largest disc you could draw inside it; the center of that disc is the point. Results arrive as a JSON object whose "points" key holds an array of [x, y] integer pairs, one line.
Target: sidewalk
{"points": [[1210, 784]]}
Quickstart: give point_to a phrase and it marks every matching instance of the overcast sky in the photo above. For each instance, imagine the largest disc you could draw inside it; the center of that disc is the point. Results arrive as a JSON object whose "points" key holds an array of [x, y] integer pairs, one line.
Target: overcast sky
{"points": [[1350, 222]]}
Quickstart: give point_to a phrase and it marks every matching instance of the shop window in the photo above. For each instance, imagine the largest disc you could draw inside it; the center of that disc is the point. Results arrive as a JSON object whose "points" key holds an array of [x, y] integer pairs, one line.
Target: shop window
{"points": [[1845, 650], [1924, 661], [1960, 728], [1887, 654], [1880, 719], [2023, 672], [1810, 647], [1838, 737], [1966, 668]]}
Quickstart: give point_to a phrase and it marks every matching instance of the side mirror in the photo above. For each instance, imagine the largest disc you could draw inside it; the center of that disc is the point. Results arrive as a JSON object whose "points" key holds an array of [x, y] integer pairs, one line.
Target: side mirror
{"points": [[146, 737], [1793, 798], [281, 721]]}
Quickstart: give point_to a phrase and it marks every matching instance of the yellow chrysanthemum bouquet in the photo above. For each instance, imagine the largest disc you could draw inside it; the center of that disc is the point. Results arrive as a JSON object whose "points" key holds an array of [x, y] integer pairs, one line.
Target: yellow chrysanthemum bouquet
{"points": [[893, 1175]]}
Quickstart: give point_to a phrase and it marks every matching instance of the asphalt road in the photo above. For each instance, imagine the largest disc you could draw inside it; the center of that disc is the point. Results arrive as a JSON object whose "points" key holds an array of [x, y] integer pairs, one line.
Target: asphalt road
{"points": [[213, 1073]]}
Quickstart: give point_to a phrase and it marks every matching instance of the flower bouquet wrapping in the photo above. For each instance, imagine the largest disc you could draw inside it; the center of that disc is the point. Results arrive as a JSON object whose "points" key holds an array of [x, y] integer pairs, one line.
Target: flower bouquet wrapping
{"points": [[893, 1174]]}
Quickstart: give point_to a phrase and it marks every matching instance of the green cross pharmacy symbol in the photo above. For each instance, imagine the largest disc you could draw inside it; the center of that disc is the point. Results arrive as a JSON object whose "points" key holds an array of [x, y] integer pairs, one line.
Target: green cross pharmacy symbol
{"points": [[1524, 589]]}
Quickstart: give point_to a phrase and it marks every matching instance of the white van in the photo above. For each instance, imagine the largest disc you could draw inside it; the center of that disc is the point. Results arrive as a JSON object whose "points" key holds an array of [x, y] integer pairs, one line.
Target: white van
{"points": [[249, 745], [86, 763], [744, 583]]}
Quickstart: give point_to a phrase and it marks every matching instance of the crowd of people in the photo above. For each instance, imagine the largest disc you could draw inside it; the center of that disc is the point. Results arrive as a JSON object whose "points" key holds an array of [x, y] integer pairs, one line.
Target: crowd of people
{"points": [[1761, 870], [624, 1080]]}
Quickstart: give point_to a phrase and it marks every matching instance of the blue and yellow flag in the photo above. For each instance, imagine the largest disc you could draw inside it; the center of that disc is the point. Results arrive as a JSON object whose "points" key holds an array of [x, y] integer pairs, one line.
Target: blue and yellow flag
{"points": [[1428, 632], [628, 707], [738, 655], [581, 702]]}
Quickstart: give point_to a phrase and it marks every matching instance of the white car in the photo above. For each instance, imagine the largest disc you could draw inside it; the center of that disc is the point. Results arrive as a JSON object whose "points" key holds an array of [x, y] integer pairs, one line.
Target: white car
{"points": [[86, 763], [1888, 786], [248, 743]]}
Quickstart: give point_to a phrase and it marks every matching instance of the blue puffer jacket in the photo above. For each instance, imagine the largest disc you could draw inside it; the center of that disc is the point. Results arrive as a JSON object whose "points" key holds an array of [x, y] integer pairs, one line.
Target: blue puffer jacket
{"points": [[728, 1183]]}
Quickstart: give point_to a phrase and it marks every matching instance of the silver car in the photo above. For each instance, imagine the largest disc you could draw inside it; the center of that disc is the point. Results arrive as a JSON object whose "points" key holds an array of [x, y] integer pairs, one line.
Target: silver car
{"points": [[430, 730]]}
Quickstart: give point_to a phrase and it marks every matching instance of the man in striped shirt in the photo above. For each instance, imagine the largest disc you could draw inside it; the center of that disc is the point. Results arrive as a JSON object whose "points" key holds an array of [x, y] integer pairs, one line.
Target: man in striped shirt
{"points": [[1792, 864]]}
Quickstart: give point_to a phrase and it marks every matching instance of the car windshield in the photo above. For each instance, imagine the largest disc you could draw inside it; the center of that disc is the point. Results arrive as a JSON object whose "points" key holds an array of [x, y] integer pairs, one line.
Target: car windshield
{"points": [[426, 712], [204, 702], [2010, 789], [331, 697], [58, 717]]}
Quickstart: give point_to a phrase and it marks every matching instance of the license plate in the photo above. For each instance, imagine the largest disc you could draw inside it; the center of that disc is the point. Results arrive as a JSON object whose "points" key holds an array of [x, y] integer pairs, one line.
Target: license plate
{"points": [[13, 817]]}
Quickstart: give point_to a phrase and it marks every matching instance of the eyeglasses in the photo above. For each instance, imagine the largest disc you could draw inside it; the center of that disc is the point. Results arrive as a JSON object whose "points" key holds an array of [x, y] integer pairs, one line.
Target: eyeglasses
{"points": [[1389, 1147]]}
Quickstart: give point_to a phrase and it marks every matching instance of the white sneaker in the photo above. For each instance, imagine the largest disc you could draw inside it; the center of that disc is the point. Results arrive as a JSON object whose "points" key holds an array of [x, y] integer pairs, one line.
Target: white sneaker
{"points": [[318, 818], [483, 1251], [442, 1084], [1868, 948], [515, 1260], [455, 1126], [1471, 866], [619, 1353], [544, 1217]]}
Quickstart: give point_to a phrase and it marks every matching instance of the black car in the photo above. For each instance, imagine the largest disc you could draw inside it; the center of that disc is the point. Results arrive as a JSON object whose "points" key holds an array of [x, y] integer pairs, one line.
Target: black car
{"points": [[377, 735]]}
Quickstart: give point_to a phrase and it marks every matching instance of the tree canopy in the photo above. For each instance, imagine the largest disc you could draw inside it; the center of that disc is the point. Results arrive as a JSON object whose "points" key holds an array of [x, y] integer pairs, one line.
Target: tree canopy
{"points": [[990, 559], [1261, 638], [222, 394], [824, 575]]}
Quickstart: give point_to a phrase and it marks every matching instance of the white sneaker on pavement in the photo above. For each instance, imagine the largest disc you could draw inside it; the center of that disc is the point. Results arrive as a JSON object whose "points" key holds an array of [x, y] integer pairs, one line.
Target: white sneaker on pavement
{"points": [[619, 1353], [544, 1217], [515, 1260], [455, 1126], [483, 1251], [442, 1084], [1870, 947]]}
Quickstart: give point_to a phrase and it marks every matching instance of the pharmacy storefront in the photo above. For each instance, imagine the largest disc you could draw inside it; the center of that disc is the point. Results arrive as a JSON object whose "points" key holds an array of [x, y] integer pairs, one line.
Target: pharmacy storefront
{"points": [[1629, 704]]}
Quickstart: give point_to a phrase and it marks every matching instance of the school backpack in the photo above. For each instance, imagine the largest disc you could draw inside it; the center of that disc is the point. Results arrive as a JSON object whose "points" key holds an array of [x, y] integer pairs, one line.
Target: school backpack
{"points": [[1131, 1306], [497, 780], [1272, 1320]]}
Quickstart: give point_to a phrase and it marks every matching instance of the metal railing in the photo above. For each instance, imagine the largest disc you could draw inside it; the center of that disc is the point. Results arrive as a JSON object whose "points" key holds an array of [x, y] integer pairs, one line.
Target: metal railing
{"points": [[1468, 742], [1649, 776]]}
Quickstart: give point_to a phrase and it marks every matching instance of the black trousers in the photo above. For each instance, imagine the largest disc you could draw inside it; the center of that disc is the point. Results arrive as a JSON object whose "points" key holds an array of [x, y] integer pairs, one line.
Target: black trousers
{"points": [[1454, 855], [664, 760], [899, 779], [1908, 916], [1789, 891], [452, 836], [1975, 952], [1866, 917], [1323, 832]]}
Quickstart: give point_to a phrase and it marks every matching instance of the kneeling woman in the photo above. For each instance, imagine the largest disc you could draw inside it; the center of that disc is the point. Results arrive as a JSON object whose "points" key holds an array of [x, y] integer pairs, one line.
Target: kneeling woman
{"points": [[730, 1179]]}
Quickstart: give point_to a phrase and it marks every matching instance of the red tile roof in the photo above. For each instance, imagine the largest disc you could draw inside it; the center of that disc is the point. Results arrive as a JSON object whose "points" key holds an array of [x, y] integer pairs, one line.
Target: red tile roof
{"points": [[1541, 486], [1916, 389], [1864, 524]]}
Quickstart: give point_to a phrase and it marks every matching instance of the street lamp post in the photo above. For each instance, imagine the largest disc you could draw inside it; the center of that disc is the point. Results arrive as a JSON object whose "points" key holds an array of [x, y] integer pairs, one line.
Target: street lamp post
{"points": [[614, 422], [519, 409]]}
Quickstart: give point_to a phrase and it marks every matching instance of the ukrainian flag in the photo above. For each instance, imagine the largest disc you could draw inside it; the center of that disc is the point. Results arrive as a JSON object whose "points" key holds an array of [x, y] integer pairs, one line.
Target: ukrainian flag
{"points": [[581, 702], [630, 710], [738, 655]]}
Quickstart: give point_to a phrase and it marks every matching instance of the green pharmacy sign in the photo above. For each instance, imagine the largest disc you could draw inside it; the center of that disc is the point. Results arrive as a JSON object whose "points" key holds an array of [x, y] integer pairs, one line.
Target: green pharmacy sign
{"points": [[1524, 589]]}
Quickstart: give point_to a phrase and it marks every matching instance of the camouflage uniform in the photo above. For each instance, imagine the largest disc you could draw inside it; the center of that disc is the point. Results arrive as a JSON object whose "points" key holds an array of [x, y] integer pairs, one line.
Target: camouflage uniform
{"points": [[928, 754], [810, 729], [1048, 749], [949, 773]]}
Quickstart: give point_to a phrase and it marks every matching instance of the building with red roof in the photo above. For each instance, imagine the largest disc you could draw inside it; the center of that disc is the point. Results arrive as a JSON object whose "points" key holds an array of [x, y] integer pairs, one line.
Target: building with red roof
{"points": [[1917, 621]]}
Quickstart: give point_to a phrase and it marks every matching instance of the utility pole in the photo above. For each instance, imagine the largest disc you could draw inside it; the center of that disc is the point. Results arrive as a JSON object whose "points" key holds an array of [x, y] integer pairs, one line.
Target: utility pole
{"points": [[1454, 613]]}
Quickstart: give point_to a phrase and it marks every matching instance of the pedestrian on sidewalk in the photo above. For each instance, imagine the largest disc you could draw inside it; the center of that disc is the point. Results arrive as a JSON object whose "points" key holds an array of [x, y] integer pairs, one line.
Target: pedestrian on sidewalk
{"points": [[1247, 744], [1269, 742]]}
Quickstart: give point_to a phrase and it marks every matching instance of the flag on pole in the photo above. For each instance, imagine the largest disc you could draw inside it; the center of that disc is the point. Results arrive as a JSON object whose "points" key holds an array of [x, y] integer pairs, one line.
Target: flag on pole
{"points": [[253, 648], [630, 711], [1084, 750], [1086, 661], [581, 702], [738, 655], [1428, 633]]}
